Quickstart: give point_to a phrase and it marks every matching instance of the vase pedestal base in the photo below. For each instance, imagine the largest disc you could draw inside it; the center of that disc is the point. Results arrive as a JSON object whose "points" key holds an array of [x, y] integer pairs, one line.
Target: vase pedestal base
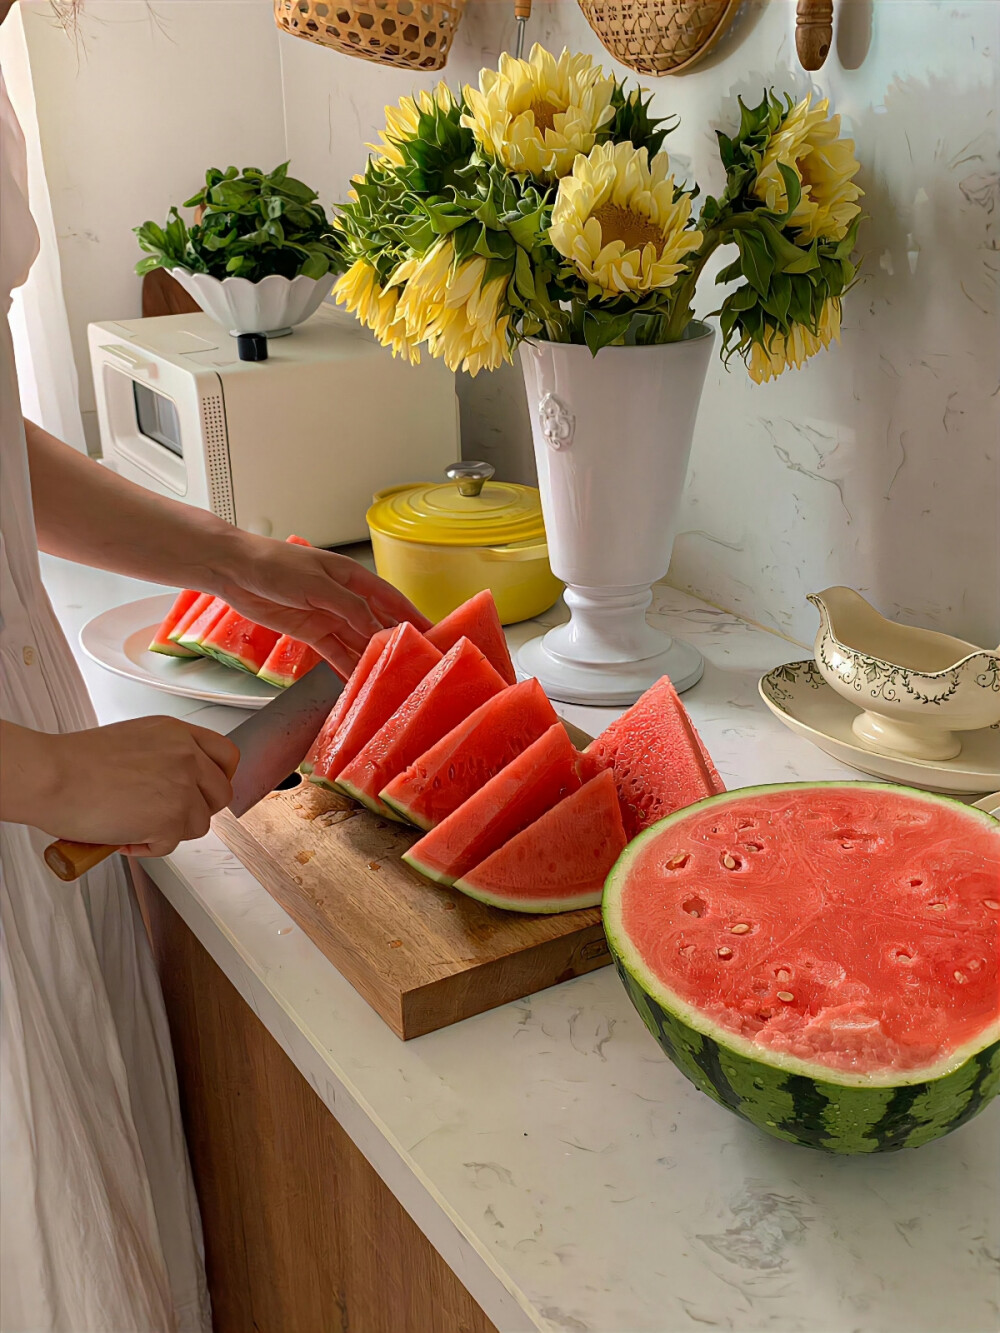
{"points": [[607, 655]]}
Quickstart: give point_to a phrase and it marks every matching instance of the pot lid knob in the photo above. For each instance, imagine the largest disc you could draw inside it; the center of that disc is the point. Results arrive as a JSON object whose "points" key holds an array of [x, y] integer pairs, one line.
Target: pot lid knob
{"points": [[470, 476]]}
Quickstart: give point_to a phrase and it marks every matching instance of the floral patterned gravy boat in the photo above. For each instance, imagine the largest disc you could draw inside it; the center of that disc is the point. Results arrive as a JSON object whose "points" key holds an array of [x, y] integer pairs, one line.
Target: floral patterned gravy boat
{"points": [[916, 687]]}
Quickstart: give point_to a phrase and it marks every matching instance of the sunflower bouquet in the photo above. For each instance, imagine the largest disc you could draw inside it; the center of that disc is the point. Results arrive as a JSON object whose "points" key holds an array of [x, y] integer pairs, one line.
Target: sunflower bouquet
{"points": [[542, 205]]}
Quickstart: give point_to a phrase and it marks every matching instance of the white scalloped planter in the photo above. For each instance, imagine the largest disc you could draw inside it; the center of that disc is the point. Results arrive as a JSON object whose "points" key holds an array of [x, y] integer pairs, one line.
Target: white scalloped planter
{"points": [[271, 306]]}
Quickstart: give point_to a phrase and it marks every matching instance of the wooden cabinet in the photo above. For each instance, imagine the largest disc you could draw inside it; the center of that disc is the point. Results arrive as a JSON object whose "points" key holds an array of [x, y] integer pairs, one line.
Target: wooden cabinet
{"points": [[301, 1235]]}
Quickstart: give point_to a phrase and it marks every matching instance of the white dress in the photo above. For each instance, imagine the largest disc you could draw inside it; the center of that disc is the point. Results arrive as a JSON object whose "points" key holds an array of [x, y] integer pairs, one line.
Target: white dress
{"points": [[99, 1226]]}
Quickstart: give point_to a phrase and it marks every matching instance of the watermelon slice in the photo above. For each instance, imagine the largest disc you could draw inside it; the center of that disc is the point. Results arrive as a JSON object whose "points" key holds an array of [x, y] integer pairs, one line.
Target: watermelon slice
{"points": [[297, 541], [287, 661], [406, 659], [460, 763], [821, 958], [559, 862], [478, 620], [236, 641], [162, 643], [658, 759], [519, 794], [192, 635], [450, 691], [350, 692]]}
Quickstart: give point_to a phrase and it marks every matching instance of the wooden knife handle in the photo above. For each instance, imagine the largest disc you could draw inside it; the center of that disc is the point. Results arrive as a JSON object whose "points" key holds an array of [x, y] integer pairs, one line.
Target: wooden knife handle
{"points": [[522, 9], [813, 32], [70, 860]]}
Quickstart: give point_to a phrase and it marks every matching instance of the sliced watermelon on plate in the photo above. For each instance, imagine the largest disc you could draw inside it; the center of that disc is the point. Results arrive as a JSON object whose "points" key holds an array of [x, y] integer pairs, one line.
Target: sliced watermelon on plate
{"points": [[478, 620], [521, 792], [350, 692], [560, 862], [451, 690], [192, 634], [470, 754], [659, 761], [406, 659], [287, 661], [236, 641], [162, 643]]}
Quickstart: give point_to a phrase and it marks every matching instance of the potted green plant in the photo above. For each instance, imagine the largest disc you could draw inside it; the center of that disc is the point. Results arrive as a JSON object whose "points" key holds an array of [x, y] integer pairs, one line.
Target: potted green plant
{"points": [[259, 255]]}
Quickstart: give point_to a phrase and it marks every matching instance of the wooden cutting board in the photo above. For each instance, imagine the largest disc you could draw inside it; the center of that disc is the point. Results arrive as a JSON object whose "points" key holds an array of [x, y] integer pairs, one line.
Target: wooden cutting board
{"points": [[422, 956]]}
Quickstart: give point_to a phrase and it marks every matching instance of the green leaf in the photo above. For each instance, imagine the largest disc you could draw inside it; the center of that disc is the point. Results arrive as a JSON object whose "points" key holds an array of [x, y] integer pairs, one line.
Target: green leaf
{"points": [[601, 331], [793, 187], [523, 275], [757, 263], [315, 266]]}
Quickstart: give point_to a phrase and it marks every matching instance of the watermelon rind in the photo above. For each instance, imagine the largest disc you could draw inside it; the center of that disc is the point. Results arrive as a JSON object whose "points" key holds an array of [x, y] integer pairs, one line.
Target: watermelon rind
{"points": [[347, 788], [404, 815], [534, 906], [793, 1099]]}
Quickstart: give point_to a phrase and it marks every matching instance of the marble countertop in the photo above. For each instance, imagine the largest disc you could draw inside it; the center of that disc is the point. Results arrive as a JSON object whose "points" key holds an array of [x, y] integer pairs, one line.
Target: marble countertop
{"points": [[569, 1175]]}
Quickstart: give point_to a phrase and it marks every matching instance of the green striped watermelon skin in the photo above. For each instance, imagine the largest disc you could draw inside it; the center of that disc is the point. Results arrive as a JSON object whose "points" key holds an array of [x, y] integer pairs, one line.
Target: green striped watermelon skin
{"points": [[815, 1113]]}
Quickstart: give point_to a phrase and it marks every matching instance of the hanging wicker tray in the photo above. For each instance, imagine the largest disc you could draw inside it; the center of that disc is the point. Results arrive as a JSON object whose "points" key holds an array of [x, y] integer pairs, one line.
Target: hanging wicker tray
{"points": [[409, 34], [659, 36]]}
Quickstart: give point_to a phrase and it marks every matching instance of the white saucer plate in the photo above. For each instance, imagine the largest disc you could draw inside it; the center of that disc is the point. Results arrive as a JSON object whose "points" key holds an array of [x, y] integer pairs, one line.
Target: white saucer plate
{"points": [[799, 697], [118, 640]]}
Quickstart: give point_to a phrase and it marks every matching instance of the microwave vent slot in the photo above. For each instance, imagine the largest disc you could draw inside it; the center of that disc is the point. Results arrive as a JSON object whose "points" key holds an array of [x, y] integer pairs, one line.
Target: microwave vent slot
{"points": [[220, 486]]}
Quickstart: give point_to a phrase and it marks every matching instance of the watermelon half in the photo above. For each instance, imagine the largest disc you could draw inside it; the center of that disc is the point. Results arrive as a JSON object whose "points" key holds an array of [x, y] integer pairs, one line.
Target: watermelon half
{"points": [[476, 750], [558, 863], [162, 643], [371, 654], [519, 794], [287, 661], [405, 660], [659, 761], [451, 690], [477, 620], [821, 958]]}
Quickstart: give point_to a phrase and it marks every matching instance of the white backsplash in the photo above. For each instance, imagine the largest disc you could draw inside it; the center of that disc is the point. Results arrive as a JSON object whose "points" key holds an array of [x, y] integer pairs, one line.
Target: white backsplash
{"points": [[877, 465]]}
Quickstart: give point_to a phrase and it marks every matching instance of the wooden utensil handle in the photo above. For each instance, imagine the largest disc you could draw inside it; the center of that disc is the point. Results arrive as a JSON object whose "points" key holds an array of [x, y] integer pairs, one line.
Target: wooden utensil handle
{"points": [[813, 32], [70, 860], [522, 9]]}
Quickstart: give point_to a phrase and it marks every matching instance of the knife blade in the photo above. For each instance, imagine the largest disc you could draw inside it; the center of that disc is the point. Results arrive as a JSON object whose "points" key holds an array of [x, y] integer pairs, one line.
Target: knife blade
{"points": [[272, 743]]}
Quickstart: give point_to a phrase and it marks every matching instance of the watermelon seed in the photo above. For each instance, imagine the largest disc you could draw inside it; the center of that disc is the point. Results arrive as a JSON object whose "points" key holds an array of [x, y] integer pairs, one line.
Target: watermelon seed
{"points": [[693, 906], [903, 957], [991, 904], [732, 862], [786, 996], [678, 862], [724, 952], [938, 907], [973, 964], [754, 846], [740, 928], [782, 974], [961, 978]]}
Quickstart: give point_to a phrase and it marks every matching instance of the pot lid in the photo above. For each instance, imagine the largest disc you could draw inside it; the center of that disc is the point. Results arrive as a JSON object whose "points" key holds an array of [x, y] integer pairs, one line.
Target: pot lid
{"points": [[468, 510]]}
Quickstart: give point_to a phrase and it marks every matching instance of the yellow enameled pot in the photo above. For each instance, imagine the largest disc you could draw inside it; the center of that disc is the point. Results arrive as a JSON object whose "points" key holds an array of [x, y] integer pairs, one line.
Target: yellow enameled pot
{"points": [[441, 543]]}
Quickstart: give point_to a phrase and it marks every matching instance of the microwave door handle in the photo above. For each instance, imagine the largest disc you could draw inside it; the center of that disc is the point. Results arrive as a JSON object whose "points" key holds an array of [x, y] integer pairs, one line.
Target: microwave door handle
{"points": [[130, 360]]}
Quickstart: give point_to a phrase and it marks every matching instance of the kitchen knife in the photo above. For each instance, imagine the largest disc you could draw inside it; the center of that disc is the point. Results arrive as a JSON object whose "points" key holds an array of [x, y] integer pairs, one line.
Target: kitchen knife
{"points": [[272, 743]]}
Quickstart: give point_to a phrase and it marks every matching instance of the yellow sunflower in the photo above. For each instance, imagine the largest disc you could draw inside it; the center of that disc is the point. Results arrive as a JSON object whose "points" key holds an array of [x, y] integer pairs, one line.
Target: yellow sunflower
{"points": [[808, 140], [535, 115], [453, 309], [402, 121], [376, 307], [616, 218], [768, 362]]}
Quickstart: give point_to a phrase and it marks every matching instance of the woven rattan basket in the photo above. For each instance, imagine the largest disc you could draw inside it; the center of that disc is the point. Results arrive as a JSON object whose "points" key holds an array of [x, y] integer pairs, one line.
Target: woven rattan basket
{"points": [[659, 36], [411, 34]]}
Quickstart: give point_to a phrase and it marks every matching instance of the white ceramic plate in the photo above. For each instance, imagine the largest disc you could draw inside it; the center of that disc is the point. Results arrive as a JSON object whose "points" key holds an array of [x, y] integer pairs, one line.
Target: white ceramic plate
{"points": [[117, 640], [798, 696]]}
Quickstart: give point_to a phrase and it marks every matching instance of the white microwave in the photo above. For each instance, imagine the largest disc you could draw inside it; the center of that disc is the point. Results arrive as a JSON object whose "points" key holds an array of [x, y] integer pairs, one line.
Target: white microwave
{"points": [[299, 442]]}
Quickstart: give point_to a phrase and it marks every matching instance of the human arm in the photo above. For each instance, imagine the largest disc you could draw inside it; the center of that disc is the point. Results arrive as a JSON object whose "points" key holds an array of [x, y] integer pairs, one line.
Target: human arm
{"points": [[87, 513], [143, 785]]}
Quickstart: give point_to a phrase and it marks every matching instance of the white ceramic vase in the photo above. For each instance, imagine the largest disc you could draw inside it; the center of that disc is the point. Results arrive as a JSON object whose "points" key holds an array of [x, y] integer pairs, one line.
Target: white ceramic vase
{"points": [[612, 437], [272, 305]]}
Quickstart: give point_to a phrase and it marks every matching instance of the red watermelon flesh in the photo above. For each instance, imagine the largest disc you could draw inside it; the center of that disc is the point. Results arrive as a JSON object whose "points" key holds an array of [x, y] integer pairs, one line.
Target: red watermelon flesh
{"points": [[287, 661], [238, 642], [853, 925], [162, 643], [476, 750], [519, 794], [192, 635], [658, 759], [406, 659], [478, 620], [350, 692], [297, 541], [450, 691], [560, 862]]}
